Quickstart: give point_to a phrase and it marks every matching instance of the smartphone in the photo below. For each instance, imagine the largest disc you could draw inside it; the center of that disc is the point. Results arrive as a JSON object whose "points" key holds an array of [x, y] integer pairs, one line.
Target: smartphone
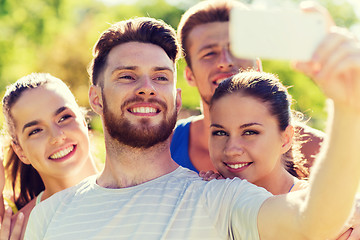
{"points": [[275, 34]]}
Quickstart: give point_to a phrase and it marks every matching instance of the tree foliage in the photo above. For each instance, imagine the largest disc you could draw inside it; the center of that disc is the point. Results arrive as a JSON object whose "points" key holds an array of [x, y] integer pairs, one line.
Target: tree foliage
{"points": [[57, 36]]}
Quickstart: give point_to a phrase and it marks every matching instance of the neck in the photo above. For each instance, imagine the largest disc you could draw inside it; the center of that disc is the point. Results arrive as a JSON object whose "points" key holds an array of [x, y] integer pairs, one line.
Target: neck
{"points": [[127, 166], [279, 183], [204, 125], [56, 184]]}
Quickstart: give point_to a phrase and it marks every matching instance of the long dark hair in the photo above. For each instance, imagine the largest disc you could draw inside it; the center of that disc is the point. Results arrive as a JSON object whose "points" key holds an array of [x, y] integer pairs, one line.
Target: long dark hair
{"points": [[267, 88]]}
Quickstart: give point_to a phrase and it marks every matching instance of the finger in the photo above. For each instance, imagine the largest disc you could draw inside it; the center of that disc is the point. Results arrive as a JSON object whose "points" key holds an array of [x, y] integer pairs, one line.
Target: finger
{"points": [[311, 6], [214, 176], [16, 232], [208, 174], [5, 225], [338, 39], [331, 42], [308, 68], [201, 173], [330, 66]]}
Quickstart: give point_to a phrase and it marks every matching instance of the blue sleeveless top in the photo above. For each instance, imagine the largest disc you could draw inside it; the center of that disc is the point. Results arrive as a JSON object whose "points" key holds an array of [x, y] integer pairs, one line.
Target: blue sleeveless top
{"points": [[180, 144]]}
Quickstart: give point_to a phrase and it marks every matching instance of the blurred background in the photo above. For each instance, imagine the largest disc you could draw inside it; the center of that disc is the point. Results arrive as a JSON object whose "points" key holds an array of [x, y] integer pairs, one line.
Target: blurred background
{"points": [[57, 36]]}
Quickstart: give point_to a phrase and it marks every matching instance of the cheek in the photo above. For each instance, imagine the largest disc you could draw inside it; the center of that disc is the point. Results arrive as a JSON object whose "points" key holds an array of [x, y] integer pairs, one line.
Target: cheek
{"points": [[81, 130], [216, 150]]}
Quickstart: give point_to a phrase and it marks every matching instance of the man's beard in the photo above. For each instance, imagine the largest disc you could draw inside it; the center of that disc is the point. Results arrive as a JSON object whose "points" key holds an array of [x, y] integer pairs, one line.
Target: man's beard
{"points": [[143, 136]]}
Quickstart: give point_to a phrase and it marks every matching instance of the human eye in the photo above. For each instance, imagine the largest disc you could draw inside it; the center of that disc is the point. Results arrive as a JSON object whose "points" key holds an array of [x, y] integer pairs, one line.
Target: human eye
{"points": [[161, 78], [250, 132], [34, 131], [64, 117], [126, 77], [219, 133], [208, 54]]}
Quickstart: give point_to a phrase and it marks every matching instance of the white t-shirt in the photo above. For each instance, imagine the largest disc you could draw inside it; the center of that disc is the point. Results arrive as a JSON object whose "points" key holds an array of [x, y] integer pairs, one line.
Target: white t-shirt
{"points": [[179, 205]]}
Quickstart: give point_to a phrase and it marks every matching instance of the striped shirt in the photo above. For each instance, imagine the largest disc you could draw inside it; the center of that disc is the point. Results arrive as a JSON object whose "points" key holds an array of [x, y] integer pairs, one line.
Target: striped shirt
{"points": [[178, 205]]}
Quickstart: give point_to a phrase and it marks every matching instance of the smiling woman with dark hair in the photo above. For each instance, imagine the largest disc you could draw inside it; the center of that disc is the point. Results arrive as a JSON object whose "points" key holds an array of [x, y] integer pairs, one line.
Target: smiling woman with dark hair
{"points": [[48, 148]]}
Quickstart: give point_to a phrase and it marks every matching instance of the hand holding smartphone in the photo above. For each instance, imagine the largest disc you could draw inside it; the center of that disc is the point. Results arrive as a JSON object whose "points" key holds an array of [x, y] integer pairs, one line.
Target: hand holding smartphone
{"points": [[276, 34]]}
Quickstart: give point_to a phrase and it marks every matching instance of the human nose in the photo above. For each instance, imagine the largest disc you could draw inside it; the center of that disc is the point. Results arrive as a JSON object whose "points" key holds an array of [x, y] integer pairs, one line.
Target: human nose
{"points": [[57, 135], [233, 147], [146, 87], [226, 60]]}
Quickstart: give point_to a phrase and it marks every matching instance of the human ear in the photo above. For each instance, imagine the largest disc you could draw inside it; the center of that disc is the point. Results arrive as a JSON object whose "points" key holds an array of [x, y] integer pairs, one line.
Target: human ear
{"points": [[178, 100], [95, 99], [287, 139], [20, 153], [189, 76]]}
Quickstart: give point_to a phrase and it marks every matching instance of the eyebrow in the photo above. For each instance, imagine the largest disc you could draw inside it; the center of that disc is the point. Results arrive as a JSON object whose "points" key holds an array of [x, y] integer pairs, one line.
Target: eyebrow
{"points": [[163, 69], [242, 126], [35, 122], [29, 124], [207, 47], [133, 68], [124, 68]]}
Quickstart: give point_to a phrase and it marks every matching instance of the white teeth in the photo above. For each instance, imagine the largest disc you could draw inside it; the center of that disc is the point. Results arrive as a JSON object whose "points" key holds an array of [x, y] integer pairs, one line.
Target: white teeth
{"points": [[62, 153], [237, 166], [143, 110]]}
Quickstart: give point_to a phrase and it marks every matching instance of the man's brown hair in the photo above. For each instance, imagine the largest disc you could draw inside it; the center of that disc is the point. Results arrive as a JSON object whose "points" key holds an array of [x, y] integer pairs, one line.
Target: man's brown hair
{"points": [[202, 13]]}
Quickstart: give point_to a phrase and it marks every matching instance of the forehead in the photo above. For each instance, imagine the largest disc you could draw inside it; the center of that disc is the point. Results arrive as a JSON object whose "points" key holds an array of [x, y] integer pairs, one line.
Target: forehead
{"points": [[144, 56], [215, 33], [41, 102], [247, 108]]}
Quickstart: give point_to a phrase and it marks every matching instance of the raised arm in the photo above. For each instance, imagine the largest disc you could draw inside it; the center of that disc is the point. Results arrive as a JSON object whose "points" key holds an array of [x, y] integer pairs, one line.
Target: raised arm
{"points": [[320, 211]]}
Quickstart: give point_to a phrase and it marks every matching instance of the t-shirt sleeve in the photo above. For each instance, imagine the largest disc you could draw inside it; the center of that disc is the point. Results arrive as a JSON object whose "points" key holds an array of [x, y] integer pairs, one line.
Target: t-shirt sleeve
{"points": [[235, 205], [41, 216], [35, 226]]}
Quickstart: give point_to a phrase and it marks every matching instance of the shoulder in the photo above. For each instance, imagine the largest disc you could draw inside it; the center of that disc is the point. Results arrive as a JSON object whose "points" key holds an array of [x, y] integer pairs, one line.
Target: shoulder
{"points": [[67, 194], [43, 213], [185, 122], [181, 123], [26, 209]]}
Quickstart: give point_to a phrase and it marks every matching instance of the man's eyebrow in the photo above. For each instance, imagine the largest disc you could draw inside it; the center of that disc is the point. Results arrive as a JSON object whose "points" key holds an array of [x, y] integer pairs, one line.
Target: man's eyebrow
{"points": [[35, 122], [163, 69], [207, 47], [119, 68]]}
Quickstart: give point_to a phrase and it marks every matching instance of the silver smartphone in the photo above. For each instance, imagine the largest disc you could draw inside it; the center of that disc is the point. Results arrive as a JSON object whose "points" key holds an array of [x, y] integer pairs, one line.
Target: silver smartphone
{"points": [[275, 34]]}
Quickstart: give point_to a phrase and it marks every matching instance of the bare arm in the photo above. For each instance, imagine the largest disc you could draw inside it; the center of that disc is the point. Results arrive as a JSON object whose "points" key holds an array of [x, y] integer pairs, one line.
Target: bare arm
{"points": [[320, 211]]}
